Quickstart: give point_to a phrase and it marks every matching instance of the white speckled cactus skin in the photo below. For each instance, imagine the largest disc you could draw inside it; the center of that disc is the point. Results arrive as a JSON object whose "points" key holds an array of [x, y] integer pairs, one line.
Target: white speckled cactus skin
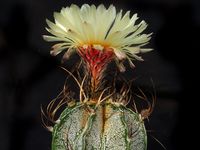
{"points": [[109, 126]]}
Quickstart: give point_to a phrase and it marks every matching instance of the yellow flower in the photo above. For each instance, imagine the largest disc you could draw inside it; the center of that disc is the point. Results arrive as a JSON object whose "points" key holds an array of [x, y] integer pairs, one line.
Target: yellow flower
{"points": [[100, 28]]}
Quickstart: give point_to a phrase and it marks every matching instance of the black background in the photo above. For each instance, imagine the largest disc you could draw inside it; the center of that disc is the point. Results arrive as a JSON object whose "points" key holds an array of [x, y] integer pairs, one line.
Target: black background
{"points": [[29, 76]]}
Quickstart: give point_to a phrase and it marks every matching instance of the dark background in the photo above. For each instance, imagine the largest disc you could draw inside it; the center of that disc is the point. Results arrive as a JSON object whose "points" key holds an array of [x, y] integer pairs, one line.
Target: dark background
{"points": [[29, 76]]}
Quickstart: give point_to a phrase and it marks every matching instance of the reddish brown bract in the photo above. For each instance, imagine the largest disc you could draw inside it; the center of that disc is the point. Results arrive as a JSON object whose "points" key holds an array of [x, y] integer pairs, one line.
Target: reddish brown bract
{"points": [[96, 61]]}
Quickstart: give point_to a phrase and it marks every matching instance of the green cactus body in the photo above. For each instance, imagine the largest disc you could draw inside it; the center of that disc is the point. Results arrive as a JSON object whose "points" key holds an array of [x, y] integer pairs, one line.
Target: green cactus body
{"points": [[108, 126]]}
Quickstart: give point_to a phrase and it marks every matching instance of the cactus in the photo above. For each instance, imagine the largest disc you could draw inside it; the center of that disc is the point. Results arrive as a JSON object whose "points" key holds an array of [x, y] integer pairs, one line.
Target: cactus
{"points": [[107, 126], [100, 119]]}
